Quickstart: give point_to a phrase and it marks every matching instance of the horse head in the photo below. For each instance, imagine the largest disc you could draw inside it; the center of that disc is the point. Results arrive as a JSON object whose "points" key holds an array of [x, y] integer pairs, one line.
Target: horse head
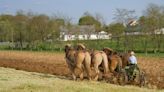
{"points": [[108, 51], [68, 47], [81, 47]]}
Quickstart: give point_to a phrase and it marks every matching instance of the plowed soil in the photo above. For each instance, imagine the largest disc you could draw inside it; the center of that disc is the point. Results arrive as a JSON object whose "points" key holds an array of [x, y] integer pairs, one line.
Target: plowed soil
{"points": [[54, 63]]}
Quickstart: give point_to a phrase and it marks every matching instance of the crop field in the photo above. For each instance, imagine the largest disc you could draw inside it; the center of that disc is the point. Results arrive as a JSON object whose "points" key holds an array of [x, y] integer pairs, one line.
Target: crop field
{"points": [[54, 63]]}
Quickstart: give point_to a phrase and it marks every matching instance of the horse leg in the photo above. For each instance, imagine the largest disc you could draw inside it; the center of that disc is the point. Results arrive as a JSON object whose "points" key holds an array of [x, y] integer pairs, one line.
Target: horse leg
{"points": [[105, 65], [74, 76], [113, 65], [73, 73], [71, 68], [79, 71], [97, 72], [81, 76]]}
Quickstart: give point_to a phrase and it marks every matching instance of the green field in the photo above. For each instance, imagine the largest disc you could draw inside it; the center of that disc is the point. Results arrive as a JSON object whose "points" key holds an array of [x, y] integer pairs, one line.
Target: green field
{"points": [[137, 44], [20, 81]]}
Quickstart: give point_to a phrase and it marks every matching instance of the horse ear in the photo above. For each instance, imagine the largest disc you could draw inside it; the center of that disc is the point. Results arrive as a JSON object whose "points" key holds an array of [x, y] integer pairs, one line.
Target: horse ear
{"points": [[115, 53], [105, 49], [67, 47]]}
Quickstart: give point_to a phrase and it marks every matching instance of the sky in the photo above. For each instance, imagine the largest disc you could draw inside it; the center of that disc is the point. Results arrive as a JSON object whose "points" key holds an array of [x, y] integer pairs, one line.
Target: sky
{"points": [[74, 9]]}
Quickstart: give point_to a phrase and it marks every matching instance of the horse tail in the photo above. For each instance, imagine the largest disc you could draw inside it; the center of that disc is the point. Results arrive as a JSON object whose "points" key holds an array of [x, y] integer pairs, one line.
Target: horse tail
{"points": [[87, 63], [105, 62]]}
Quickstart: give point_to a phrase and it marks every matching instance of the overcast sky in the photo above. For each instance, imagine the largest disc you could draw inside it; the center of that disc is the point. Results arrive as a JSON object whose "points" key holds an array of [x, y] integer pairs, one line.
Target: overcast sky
{"points": [[75, 8]]}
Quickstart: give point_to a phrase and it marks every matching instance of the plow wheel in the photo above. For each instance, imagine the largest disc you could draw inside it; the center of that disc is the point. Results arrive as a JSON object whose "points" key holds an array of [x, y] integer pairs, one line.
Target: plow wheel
{"points": [[140, 78], [122, 78]]}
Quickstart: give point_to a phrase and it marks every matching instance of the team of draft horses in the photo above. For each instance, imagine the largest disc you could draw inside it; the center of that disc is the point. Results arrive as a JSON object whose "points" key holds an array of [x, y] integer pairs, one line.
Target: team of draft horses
{"points": [[80, 60]]}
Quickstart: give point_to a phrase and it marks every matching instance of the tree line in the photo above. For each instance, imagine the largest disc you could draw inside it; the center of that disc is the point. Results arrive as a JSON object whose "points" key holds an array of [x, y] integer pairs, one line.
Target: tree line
{"points": [[30, 30]]}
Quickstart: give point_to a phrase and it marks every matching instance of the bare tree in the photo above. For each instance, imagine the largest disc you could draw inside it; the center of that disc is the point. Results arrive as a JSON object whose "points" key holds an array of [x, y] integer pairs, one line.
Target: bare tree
{"points": [[154, 15], [100, 18], [123, 16]]}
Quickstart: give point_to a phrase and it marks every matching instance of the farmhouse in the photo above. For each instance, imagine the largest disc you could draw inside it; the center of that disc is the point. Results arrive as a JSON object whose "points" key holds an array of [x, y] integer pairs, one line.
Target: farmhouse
{"points": [[159, 31], [82, 33], [133, 28]]}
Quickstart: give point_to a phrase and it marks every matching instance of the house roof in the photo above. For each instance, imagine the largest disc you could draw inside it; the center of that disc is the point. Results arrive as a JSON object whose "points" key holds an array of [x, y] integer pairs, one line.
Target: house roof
{"points": [[132, 23]]}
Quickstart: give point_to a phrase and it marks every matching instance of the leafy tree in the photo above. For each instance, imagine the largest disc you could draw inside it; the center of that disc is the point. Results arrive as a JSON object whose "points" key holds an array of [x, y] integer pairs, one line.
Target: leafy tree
{"points": [[153, 22], [6, 28], [123, 16], [39, 25], [117, 31], [90, 20], [20, 30], [54, 27]]}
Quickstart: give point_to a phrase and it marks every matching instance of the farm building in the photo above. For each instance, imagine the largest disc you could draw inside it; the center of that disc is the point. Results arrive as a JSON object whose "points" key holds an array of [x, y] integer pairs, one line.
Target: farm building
{"points": [[159, 31], [134, 28], [82, 33]]}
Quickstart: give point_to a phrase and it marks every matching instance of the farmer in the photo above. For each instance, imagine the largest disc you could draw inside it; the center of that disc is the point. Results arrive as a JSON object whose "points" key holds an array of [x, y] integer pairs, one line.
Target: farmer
{"points": [[132, 65], [132, 59]]}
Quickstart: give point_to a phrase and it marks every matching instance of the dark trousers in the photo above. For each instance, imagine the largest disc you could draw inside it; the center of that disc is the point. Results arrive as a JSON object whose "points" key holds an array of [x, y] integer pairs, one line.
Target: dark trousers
{"points": [[131, 69]]}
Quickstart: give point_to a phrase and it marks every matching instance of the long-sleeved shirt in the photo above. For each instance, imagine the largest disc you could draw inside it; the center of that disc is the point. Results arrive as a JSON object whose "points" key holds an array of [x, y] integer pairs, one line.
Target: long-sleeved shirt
{"points": [[132, 60]]}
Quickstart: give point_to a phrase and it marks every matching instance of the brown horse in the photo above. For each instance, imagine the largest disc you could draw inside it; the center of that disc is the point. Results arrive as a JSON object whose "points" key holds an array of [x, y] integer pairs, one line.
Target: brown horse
{"points": [[70, 58], [78, 60], [99, 58], [115, 62], [125, 58]]}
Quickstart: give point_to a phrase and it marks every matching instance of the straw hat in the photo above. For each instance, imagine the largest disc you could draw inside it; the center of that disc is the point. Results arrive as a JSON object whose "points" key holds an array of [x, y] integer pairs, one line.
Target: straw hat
{"points": [[132, 53]]}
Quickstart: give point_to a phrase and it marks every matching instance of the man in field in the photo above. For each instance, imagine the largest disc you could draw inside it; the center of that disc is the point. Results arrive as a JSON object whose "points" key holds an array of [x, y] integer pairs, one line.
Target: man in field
{"points": [[132, 59], [132, 67]]}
